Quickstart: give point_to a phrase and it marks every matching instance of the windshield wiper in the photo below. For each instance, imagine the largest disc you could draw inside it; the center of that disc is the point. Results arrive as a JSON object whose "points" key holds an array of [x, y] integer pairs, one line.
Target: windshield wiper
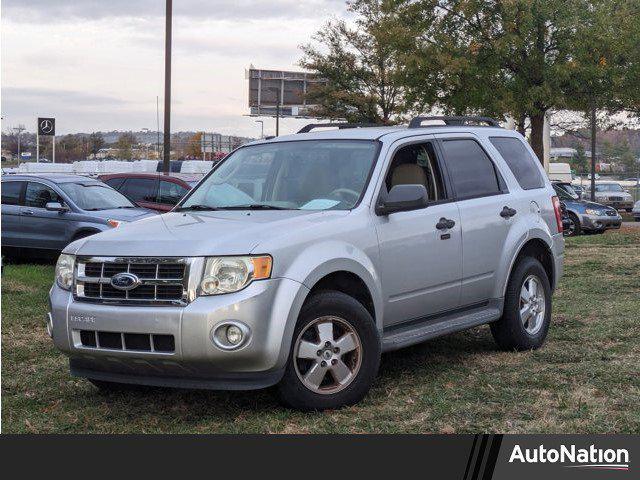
{"points": [[201, 208], [255, 206]]}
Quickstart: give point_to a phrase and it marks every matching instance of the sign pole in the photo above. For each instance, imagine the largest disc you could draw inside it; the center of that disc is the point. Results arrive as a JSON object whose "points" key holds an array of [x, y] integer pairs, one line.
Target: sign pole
{"points": [[38, 146], [167, 88], [53, 149]]}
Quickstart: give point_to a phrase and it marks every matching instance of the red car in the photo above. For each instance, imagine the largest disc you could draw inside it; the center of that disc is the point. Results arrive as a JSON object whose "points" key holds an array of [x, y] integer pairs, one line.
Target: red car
{"points": [[156, 191]]}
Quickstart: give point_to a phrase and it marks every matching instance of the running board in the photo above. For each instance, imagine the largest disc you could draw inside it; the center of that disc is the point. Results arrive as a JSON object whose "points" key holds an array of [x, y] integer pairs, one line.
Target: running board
{"points": [[436, 326]]}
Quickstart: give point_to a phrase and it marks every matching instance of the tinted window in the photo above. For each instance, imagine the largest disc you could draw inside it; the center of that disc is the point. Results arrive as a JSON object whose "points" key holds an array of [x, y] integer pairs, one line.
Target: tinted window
{"points": [[520, 161], [115, 182], [11, 192], [38, 195], [170, 193], [471, 170], [140, 189], [416, 164]]}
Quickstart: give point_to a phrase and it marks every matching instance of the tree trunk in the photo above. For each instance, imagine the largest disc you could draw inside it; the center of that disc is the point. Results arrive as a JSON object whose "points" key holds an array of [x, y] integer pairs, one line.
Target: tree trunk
{"points": [[520, 126], [537, 135], [593, 153]]}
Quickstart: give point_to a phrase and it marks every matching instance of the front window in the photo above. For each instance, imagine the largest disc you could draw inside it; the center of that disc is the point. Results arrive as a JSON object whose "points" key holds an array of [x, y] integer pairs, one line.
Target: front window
{"points": [[609, 187], [95, 196], [300, 175]]}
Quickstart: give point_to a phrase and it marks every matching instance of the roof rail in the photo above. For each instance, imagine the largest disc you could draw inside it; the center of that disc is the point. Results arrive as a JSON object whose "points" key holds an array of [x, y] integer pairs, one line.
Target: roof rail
{"points": [[455, 121], [312, 126]]}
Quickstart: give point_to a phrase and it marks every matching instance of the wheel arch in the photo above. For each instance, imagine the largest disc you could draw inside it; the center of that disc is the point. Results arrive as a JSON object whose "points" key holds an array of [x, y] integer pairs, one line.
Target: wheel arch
{"points": [[540, 249]]}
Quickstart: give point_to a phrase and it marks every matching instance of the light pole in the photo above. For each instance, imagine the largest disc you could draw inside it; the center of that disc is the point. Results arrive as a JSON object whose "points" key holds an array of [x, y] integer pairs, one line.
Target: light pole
{"points": [[19, 129], [278, 101], [261, 122], [167, 87]]}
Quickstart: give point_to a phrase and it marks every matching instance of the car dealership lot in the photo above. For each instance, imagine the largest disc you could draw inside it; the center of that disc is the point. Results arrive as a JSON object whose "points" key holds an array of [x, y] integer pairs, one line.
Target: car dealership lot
{"points": [[585, 379]]}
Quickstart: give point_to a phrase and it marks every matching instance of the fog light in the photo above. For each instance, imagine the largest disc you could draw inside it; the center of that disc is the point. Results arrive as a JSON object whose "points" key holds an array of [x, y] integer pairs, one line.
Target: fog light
{"points": [[234, 335]]}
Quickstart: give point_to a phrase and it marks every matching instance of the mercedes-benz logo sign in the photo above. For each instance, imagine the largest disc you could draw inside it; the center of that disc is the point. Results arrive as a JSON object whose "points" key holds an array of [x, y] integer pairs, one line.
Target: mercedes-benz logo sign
{"points": [[124, 281], [46, 126]]}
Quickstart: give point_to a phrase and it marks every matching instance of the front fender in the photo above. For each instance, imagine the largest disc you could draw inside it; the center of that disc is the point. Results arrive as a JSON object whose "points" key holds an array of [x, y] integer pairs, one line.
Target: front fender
{"points": [[321, 259]]}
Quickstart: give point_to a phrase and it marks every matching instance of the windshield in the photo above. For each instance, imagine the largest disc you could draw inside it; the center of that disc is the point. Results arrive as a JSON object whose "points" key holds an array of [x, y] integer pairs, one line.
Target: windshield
{"points": [[95, 196], [609, 187], [562, 193], [300, 175]]}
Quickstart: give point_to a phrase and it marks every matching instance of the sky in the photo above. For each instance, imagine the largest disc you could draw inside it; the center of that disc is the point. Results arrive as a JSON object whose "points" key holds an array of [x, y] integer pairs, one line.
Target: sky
{"points": [[98, 65]]}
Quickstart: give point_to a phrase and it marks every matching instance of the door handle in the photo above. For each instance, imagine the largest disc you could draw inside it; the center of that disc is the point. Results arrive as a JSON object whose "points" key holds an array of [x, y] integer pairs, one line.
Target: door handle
{"points": [[27, 212], [445, 224], [508, 212]]}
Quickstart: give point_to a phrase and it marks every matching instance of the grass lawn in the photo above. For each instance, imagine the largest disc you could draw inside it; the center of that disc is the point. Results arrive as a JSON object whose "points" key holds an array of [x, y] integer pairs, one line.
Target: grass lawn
{"points": [[586, 379]]}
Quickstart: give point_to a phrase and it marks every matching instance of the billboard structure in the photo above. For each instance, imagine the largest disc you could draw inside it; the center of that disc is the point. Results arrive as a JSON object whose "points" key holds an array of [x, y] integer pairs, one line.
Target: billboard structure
{"points": [[270, 88]]}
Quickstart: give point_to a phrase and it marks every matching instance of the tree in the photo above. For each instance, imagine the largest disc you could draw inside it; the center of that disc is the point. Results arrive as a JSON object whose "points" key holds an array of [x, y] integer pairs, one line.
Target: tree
{"points": [[96, 142], [125, 144], [361, 65], [503, 57], [579, 162]]}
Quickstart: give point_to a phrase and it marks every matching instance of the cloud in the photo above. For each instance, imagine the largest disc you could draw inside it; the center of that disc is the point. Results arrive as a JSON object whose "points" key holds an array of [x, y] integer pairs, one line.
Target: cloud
{"points": [[247, 10]]}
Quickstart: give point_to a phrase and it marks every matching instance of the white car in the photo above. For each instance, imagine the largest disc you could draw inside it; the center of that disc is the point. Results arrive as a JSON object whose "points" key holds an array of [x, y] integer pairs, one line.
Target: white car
{"points": [[636, 211]]}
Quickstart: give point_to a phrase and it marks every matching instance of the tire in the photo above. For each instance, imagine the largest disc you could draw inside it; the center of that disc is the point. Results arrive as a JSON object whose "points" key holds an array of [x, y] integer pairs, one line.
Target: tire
{"points": [[576, 222], [512, 333], [348, 318]]}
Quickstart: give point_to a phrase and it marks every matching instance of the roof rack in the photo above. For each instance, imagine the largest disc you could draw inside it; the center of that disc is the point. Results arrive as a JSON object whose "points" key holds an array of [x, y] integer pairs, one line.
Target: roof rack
{"points": [[455, 121], [312, 126]]}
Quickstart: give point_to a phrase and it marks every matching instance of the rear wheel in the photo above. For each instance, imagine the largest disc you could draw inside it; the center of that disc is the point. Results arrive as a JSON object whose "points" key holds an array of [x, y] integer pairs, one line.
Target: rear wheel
{"points": [[527, 308], [334, 355]]}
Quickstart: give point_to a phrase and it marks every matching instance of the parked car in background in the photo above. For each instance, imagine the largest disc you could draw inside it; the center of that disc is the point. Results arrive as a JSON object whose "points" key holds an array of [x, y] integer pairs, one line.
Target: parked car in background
{"points": [[42, 214], [566, 220], [156, 191], [580, 190], [636, 211], [614, 195], [587, 217]]}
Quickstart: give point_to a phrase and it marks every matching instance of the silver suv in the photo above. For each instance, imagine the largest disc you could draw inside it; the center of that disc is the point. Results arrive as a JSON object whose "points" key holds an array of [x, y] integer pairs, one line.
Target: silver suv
{"points": [[298, 260]]}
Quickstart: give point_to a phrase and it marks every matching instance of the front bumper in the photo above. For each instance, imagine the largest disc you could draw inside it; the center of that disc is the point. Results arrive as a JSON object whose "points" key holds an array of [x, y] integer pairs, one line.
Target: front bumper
{"points": [[617, 204], [269, 308], [598, 223]]}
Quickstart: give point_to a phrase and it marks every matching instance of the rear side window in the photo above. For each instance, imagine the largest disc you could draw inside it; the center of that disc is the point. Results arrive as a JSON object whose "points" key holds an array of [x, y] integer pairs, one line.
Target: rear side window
{"points": [[115, 183], [140, 189], [170, 193], [11, 193], [472, 172], [520, 161]]}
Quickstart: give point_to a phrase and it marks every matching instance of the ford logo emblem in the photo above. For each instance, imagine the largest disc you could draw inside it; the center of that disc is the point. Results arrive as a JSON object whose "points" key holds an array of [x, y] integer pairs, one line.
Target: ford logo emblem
{"points": [[124, 281]]}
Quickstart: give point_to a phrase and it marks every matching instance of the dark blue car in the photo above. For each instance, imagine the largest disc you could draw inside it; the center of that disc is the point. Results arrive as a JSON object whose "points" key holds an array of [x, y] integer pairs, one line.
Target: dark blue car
{"points": [[586, 217], [44, 213]]}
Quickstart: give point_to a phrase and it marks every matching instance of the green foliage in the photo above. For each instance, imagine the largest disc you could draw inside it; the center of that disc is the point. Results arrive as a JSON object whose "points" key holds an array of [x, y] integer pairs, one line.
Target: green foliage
{"points": [[125, 144], [579, 162]]}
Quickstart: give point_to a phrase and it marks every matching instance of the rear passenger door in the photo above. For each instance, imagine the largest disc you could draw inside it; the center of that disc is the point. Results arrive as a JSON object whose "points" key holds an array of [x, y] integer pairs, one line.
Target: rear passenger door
{"points": [[483, 201], [12, 193], [141, 191]]}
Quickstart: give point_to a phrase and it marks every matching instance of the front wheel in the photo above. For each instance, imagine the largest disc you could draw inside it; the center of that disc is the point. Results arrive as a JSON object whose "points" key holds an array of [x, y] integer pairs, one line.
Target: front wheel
{"points": [[574, 227], [527, 308], [334, 356]]}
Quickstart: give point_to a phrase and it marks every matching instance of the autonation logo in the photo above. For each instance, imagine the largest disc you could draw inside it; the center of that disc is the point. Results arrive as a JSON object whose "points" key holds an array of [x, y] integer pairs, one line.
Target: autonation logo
{"points": [[590, 458]]}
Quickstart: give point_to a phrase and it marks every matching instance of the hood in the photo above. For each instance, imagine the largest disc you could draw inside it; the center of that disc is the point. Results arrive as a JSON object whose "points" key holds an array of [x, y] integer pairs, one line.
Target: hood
{"points": [[193, 234], [124, 214]]}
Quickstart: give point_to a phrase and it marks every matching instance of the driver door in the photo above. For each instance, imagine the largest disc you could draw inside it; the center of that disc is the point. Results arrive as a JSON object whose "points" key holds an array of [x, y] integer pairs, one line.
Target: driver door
{"points": [[421, 265]]}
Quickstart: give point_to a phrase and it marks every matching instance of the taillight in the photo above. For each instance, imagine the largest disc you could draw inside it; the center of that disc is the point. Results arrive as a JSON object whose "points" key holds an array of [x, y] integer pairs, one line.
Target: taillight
{"points": [[558, 210]]}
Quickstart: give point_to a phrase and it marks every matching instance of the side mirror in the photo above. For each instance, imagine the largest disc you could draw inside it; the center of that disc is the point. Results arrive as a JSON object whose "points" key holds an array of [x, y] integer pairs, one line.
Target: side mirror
{"points": [[403, 198], [56, 207]]}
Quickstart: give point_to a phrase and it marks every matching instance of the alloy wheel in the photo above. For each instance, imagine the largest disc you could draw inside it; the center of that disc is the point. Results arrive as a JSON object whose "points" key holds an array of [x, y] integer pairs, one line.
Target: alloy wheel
{"points": [[327, 355], [532, 304]]}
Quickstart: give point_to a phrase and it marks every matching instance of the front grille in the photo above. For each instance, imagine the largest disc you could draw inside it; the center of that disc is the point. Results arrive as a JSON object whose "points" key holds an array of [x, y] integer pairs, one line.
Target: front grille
{"points": [[160, 280], [611, 213], [616, 199], [138, 342]]}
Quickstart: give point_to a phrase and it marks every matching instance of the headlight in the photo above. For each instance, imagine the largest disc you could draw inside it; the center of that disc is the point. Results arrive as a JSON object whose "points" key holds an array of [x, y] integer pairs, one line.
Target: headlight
{"points": [[230, 274], [64, 271], [591, 211], [115, 223]]}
